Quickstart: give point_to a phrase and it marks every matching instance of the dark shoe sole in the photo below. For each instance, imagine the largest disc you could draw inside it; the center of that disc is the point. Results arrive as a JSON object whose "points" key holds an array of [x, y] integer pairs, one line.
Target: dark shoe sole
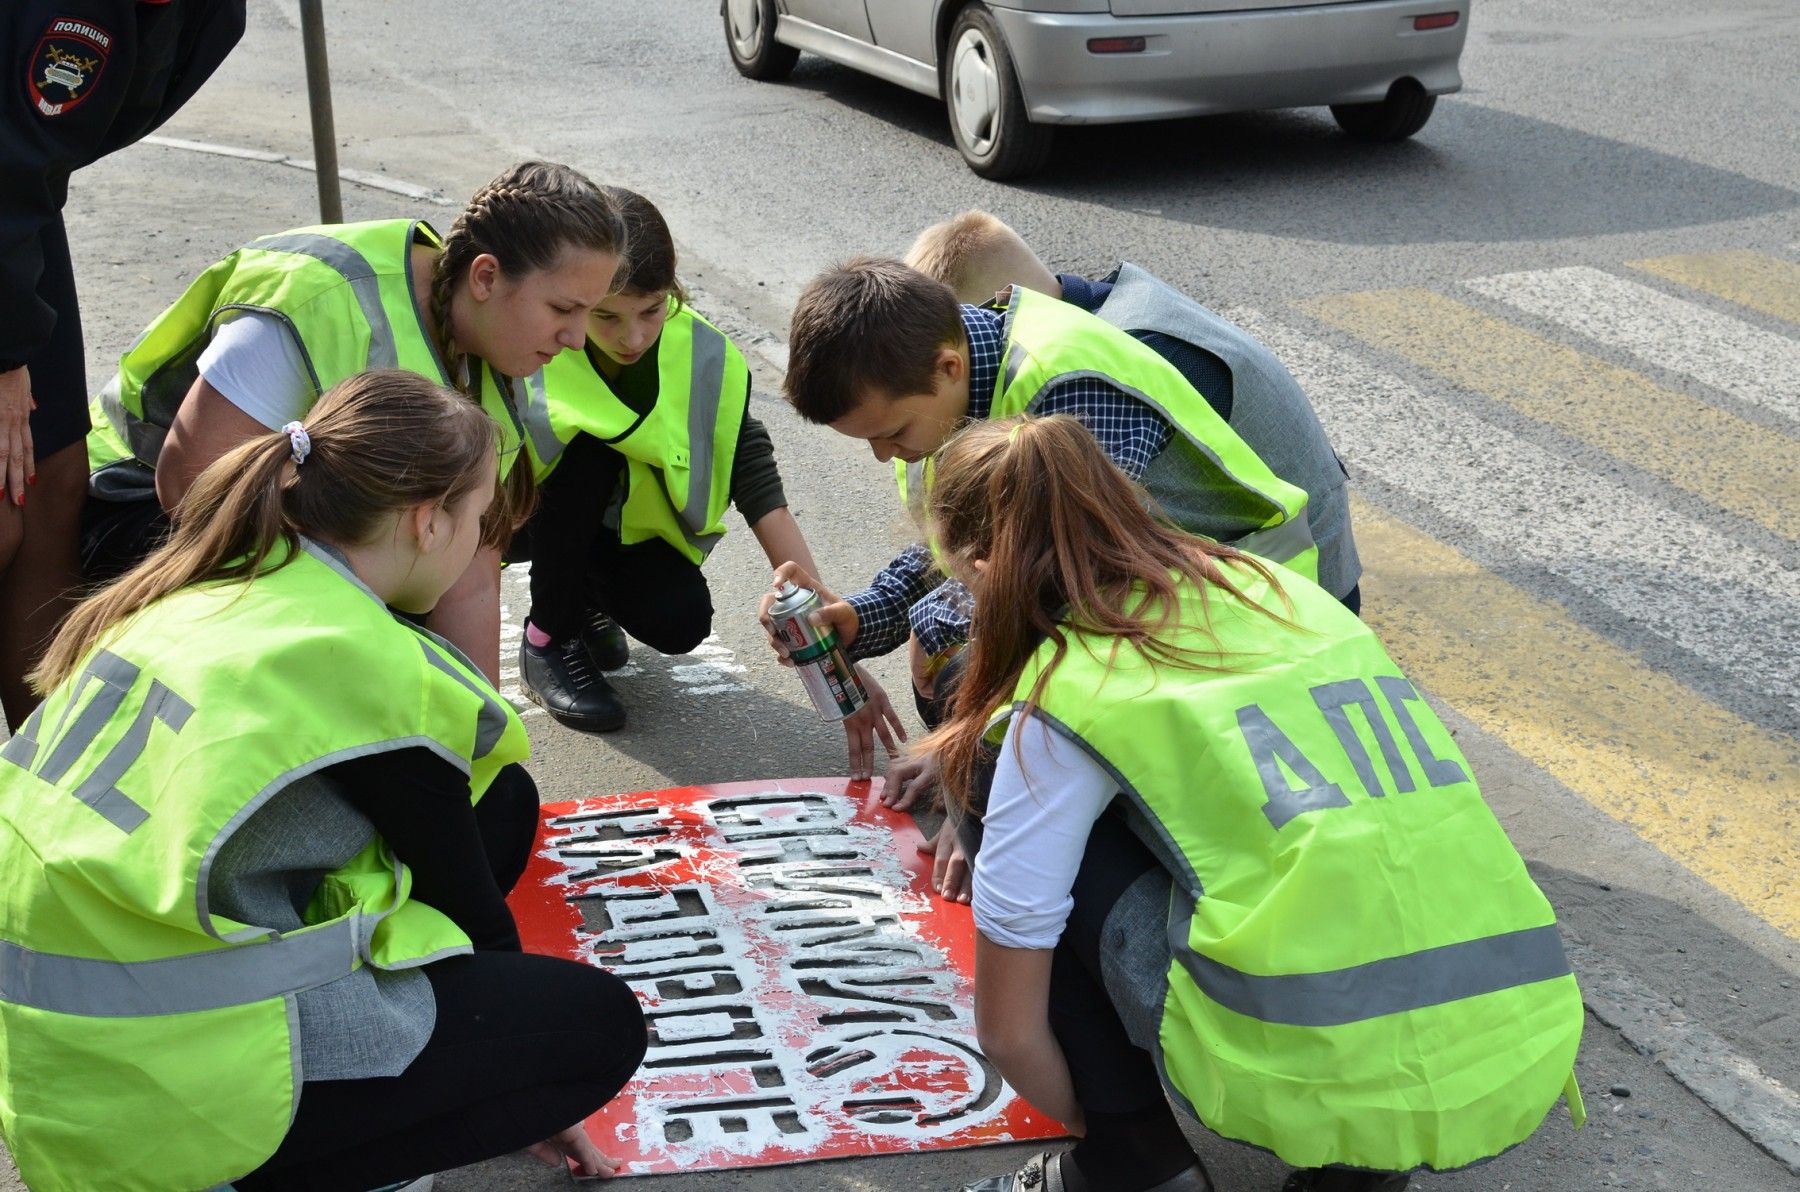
{"points": [[581, 724]]}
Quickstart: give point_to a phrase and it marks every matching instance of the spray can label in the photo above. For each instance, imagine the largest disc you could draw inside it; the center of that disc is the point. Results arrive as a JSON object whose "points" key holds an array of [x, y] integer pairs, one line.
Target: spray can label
{"points": [[826, 673]]}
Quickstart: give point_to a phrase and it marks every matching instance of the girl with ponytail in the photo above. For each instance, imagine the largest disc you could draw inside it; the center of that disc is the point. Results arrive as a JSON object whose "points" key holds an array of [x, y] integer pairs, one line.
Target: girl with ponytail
{"points": [[259, 836], [257, 337], [1228, 858]]}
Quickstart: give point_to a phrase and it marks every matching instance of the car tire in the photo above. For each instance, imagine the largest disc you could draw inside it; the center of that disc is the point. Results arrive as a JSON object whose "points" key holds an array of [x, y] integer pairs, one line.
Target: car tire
{"points": [[1404, 112], [987, 108], [750, 37]]}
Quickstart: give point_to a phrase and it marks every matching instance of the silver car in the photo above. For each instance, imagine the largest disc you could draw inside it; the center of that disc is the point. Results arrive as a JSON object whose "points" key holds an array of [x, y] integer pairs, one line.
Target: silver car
{"points": [[1010, 70]]}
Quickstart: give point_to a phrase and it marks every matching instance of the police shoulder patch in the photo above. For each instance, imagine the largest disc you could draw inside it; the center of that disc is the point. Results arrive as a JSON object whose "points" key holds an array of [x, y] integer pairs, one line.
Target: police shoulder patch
{"points": [[67, 63]]}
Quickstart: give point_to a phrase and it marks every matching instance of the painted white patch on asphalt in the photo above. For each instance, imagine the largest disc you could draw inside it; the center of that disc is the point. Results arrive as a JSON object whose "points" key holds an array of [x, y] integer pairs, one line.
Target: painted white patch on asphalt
{"points": [[1652, 565], [707, 669], [1732, 356]]}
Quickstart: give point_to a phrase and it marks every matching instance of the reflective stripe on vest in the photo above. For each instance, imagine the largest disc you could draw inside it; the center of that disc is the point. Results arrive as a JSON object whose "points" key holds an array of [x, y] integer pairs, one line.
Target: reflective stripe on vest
{"points": [[330, 285], [1391, 985], [188, 984], [146, 1041], [546, 447], [354, 268], [679, 453], [1339, 890]]}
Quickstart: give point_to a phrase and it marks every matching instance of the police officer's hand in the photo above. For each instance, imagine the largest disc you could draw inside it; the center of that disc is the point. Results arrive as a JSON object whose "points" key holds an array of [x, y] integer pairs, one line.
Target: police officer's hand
{"points": [[18, 462], [951, 876], [873, 719], [832, 613], [573, 1146], [909, 779]]}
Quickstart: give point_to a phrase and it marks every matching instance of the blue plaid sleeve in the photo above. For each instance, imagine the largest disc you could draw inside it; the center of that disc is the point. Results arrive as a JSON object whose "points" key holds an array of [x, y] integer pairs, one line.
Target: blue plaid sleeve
{"points": [[941, 619], [1129, 431], [881, 608]]}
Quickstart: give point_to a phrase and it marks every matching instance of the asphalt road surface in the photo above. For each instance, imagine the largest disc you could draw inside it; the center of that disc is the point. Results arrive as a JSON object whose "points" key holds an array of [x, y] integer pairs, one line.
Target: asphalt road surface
{"points": [[1555, 337]]}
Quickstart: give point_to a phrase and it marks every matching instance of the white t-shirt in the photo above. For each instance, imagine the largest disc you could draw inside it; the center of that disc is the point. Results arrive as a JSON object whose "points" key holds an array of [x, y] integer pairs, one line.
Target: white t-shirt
{"points": [[1047, 793], [255, 362]]}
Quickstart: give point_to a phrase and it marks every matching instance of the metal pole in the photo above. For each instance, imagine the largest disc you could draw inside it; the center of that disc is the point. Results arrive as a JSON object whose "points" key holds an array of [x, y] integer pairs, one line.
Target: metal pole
{"points": [[318, 94]]}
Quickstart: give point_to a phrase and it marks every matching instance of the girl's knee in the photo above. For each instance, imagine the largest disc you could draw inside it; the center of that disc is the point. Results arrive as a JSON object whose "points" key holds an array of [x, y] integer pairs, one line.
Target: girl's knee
{"points": [[681, 624], [614, 1030]]}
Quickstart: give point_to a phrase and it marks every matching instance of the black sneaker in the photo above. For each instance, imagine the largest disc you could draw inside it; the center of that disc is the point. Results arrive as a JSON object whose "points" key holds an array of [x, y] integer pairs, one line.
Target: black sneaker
{"points": [[1344, 1179], [605, 642], [560, 678], [1056, 1172]]}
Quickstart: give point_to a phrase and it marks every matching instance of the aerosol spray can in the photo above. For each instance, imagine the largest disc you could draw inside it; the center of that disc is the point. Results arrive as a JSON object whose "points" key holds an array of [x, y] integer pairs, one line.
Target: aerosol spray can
{"points": [[818, 659]]}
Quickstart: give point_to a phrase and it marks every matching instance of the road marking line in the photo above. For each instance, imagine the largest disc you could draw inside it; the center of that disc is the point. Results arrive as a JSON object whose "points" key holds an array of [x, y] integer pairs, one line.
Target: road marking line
{"points": [[1714, 455], [1618, 546], [1752, 365], [1768, 284], [1731, 1084], [1716, 793]]}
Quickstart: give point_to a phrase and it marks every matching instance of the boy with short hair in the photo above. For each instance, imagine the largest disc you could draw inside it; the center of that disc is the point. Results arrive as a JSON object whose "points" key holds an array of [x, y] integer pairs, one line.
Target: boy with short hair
{"points": [[878, 351], [978, 256]]}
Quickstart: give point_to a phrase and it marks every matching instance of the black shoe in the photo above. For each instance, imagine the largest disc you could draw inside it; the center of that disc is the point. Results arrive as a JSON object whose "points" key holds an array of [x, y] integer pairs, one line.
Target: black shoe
{"points": [[560, 678], [605, 642], [1345, 1179], [1046, 1173], [1041, 1173]]}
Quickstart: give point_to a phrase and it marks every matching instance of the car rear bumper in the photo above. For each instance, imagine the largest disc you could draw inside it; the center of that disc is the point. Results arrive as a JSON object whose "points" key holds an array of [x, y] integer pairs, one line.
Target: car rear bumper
{"points": [[1229, 62]]}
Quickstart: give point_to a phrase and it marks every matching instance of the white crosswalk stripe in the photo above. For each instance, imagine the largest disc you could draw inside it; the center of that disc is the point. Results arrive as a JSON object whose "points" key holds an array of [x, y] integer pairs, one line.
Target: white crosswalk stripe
{"points": [[1618, 546], [1747, 362]]}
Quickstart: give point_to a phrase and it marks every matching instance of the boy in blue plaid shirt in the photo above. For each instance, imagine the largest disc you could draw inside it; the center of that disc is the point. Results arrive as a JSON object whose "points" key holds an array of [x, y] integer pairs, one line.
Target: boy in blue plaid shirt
{"points": [[880, 352]]}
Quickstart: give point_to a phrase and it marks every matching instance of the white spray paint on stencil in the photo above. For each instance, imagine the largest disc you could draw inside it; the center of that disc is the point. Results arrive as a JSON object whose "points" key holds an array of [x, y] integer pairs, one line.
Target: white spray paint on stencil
{"points": [[826, 890]]}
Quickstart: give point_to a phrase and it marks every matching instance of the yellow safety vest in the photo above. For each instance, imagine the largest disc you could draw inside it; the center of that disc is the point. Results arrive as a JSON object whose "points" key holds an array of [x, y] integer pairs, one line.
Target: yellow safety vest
{"points": [[1049, 341], [679, 454], [1363, 971], [147, 1042], [344, 290]]}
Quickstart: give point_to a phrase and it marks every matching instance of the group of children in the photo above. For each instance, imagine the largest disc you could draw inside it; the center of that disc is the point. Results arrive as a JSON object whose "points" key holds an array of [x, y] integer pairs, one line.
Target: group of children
{"points": [[1227, 864]]}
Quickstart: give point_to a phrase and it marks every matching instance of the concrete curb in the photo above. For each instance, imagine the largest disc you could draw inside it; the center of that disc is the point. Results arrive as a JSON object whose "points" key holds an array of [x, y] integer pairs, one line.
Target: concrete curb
{"points": [[1760, 1107], [375, 181]]}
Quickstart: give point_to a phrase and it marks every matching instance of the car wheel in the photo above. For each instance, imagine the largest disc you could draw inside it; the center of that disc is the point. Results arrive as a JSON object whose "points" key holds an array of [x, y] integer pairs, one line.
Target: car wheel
{"points": [[750, 36], [987, 109], [1400, 115]]}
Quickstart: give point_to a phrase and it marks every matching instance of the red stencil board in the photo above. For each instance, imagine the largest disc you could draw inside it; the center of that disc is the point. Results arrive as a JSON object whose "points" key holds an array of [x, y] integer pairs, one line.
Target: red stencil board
{"points": [[808, 996]]}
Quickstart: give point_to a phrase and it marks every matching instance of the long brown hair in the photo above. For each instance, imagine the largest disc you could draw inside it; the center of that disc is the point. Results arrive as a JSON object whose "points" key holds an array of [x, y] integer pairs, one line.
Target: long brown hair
{"points": [[525, 219], [1066, 543], [381, 441]]}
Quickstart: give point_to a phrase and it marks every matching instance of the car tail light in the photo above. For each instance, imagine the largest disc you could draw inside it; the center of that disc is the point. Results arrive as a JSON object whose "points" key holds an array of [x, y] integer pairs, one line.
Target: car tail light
{"points": [[1437, 20], [1116, 45]]}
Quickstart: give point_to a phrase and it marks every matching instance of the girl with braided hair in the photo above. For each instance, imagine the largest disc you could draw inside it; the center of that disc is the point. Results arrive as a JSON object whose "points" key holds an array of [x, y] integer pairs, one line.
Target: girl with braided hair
{"points": [[259, 336]]}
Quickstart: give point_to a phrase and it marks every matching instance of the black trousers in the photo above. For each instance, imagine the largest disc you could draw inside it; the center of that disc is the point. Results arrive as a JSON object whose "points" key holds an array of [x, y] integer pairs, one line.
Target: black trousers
{"points": [[117, 535], [655, 593], [1110, 1073], [524, 1046]]}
